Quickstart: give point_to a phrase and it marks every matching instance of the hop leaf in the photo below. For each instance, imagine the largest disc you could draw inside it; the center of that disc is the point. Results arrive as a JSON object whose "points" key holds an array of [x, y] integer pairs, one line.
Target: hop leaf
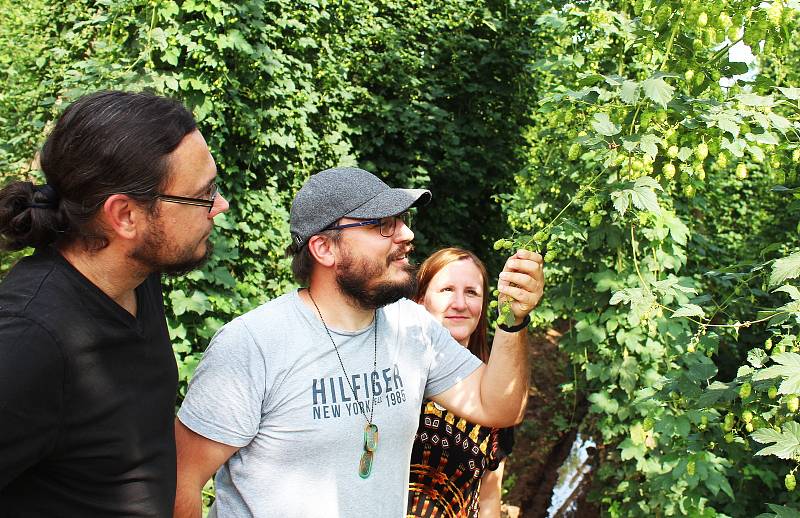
{"points": [[788, 368], [603, 125], [658, 90], [786, 442], [784, 269]]}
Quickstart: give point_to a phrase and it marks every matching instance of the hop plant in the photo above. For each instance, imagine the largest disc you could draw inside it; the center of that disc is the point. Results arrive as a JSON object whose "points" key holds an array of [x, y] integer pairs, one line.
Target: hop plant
{"points": [[793, 403], [503, 244], [701, 151], [745, 390], [728, 422], [506, 316]]}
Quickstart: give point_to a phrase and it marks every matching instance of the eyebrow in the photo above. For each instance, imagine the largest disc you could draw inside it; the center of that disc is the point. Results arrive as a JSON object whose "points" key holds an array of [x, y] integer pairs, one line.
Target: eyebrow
{"points": [[206, 187], [476, 288]]}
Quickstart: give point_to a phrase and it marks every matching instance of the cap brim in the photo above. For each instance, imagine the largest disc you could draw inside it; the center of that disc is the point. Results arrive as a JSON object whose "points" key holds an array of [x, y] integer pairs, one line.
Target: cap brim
{"points": [[391, 202]]}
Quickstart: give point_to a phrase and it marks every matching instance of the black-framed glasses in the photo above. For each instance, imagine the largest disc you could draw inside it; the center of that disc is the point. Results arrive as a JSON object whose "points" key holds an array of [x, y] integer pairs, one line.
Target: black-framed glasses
{"points": [[200, 202], [387, 225]]}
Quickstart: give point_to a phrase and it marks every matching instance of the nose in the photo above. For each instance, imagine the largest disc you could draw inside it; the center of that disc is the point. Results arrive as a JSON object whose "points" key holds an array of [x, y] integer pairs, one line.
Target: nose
{"points": [[402, 234], [220, 206], [458, 301]]}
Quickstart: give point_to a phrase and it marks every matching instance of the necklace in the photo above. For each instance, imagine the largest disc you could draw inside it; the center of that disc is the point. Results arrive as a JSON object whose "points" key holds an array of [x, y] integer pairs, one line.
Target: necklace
{"points": [[370, 430]]}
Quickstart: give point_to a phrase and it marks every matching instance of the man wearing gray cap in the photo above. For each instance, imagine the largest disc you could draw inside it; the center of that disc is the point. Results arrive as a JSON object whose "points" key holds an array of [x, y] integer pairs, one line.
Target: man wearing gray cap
{"points": [[308, 405]]}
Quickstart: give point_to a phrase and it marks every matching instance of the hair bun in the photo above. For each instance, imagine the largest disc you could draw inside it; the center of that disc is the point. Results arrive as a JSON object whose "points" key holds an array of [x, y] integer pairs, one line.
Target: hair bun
{"points": [[44, 197], [29, 215]]}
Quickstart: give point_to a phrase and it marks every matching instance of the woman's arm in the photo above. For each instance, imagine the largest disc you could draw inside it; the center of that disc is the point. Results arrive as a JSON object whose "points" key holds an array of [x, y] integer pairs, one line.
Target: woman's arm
{"points": [[491, 491], [495, 394]]}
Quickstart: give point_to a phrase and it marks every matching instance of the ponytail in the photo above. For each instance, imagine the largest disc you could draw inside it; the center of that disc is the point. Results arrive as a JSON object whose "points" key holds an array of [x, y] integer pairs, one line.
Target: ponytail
{"points": [[29, 216]]}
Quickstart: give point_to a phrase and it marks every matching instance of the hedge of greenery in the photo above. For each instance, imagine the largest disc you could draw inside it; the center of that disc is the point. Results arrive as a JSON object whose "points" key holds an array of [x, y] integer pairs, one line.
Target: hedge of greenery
{"points": [[658, 177], [423, 95], [663, 187]]}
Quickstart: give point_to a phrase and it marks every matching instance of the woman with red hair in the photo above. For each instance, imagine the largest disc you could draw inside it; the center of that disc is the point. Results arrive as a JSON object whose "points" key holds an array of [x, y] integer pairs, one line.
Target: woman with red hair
{"points": [[456, 466]]}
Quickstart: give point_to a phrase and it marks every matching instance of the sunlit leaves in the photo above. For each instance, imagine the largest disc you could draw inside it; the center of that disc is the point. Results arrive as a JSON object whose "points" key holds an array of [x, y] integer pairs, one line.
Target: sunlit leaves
{"points": [[785, 444], [196, 303], [602, 124], [788, 368], [658, 90], [630, 92], [755, 100], [689, 310], [641, 194], [649, 144], [757, 358], [791, 93], [602, 402], [785, 268]]}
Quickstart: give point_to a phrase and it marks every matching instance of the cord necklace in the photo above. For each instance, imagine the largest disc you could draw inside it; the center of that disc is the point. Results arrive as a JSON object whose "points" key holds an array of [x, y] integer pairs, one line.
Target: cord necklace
{"points": [[370, 430]]}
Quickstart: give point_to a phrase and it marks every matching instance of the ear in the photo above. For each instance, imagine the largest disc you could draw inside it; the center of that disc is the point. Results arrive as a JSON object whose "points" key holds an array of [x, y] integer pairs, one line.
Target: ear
{"points": [[322, 250], [122, 216]]}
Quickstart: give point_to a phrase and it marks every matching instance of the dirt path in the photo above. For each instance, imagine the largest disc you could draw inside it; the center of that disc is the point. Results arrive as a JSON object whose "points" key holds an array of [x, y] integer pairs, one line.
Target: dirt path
{"points": [[544, 438]]}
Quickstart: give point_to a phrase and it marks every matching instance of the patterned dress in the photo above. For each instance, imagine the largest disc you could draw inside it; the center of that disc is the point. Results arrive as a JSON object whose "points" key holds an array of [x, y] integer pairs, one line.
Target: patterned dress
{"points": [[448, 460]]}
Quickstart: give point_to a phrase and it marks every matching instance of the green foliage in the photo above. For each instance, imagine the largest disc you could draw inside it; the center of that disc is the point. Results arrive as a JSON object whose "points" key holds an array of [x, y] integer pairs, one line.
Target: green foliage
{"points": [[657, 177], [423, 95], [661, 186]]}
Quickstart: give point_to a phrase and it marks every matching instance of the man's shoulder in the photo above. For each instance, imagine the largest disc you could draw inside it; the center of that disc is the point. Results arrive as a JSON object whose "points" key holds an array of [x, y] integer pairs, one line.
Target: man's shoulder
{"points": [[408, 311], [272, 309], [399, 305], [271, 316], [31, 308], [30, 283]]}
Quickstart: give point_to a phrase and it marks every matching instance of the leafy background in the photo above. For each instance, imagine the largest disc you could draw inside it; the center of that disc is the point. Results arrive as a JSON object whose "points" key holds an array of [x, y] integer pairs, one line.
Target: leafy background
{"points": [[657, 176]]}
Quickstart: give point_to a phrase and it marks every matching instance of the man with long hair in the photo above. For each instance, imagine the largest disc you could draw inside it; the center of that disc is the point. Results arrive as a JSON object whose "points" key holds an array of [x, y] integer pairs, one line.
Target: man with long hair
{"points": [[88, 379]]}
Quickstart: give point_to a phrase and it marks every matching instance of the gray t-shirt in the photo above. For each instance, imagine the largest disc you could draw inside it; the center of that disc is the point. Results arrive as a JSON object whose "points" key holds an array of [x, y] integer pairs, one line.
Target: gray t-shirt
{"points": [[271, 384]]}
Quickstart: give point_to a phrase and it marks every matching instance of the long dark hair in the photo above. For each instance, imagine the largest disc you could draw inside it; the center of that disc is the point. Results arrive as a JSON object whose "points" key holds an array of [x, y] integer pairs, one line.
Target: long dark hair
{"points": [[478, 341], [104, 143]]}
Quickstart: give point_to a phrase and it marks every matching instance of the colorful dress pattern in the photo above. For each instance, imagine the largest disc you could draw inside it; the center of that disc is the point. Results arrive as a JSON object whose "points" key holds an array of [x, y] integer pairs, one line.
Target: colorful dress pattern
{"points": [[449, 458]]}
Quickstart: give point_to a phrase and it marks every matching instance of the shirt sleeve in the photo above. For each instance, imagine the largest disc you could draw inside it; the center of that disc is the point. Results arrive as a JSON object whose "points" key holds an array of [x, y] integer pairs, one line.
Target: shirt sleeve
{"points": [[31, 395], [502, 442], [450, 362], [226, 393]]}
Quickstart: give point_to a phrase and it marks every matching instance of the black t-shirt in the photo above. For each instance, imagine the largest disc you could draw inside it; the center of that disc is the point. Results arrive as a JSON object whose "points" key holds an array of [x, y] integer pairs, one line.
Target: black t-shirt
{"points": [[87, 397]]}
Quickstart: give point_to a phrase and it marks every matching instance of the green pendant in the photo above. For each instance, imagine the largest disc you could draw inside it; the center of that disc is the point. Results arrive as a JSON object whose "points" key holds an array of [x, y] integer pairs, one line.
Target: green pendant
{"points": [[365, 466], [370, 445], [370, 437]]}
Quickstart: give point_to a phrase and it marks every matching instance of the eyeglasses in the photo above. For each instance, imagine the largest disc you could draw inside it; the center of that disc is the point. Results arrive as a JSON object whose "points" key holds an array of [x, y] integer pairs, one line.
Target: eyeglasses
{"points": [[387, 224], [200, 202]]}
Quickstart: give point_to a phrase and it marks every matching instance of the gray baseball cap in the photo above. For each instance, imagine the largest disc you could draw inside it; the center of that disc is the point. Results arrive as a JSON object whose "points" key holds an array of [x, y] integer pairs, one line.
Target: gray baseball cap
{"points": [[346, 192]]}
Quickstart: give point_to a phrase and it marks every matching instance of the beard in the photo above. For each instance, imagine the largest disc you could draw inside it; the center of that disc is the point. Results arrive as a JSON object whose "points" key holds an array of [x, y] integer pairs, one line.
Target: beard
{"points": [[357, 281], [156, 254]]}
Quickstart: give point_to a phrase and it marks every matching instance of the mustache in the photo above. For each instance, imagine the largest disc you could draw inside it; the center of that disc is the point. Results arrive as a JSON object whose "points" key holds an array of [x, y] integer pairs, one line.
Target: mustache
{"points": [[400, 252]]}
